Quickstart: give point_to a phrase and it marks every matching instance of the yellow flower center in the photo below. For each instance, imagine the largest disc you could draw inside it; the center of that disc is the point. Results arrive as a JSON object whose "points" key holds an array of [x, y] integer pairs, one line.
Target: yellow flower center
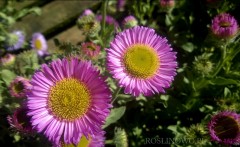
{"points": [[69, 99], [91, 47], [38, 44], [141, 61], [225, 24], [82, 143]]}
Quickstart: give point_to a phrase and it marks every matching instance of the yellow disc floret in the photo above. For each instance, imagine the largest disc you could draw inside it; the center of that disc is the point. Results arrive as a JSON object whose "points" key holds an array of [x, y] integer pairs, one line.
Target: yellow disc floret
{"points": [[141, 61], [84, 142], [38, 44], [69, 99]]}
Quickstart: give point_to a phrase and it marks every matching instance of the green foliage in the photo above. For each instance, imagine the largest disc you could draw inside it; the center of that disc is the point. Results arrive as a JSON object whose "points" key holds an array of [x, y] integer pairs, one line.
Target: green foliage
{"points": [[115, 115], [26, 63], [7, 76]]}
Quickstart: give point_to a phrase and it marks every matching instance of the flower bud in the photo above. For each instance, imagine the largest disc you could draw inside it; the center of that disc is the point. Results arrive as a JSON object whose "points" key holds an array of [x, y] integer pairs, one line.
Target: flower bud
{"points": [[129, 22]]}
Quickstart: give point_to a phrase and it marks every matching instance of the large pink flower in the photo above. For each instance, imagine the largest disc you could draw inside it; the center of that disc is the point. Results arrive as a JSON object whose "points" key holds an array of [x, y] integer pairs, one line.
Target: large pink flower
{"points": [[69, 99], [141, 61]]}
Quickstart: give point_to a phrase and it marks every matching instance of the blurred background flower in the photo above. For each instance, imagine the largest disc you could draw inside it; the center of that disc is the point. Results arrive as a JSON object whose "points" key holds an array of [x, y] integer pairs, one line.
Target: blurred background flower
{"points": [[15, 40], [39, 44]]}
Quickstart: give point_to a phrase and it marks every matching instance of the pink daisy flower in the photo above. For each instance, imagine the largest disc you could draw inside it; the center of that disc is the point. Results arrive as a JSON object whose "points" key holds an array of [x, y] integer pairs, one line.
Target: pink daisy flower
{"points": [[19, 87], [224, 26], [20, 122], [141, 61], [39, 43], [224, 127], [90, 49], [69, 99]]}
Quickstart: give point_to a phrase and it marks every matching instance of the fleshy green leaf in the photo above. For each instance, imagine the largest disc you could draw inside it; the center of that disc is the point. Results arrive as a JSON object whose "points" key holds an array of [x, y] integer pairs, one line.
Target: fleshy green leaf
{"points": [[115, 115], [189, 47], [223, 81], [7, 76]]}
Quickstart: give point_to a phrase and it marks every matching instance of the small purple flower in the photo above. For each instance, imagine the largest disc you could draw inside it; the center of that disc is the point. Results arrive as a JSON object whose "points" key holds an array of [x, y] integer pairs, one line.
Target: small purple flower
{"points": [[224, 26], [121, 4], [39, 43], [109, 20], [7, 60], [129, 22], [20, 121], [15, 40], [224, 127], [19, 87], [90, 49]]}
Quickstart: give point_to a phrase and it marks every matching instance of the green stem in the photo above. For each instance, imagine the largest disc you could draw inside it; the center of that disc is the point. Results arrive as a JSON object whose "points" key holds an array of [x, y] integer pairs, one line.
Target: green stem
{"points": [[104, 13], [100, 41], [221, 62], [235, 53], [115, 95], [109, 142]]}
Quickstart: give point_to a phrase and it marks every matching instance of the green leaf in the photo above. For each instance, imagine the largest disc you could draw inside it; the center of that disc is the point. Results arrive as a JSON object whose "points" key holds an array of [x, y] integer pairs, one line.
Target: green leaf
{"points": [[7, 76], [227, 92], [2, 38], [168, 21], [189, 47], [24, 12], [56, 42], [199, 83], [177, 130], [115, 115], [223, 81]]}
